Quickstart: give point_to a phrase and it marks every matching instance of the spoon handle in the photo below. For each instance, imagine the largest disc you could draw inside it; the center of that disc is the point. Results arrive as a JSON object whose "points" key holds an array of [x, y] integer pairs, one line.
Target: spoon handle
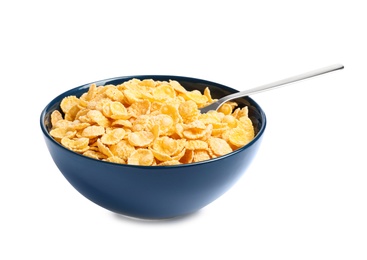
{"points": [[281, 82]]}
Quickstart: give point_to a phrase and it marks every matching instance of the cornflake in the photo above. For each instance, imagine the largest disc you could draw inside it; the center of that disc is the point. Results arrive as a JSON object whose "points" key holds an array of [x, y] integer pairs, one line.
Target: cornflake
{"points": [[149, 123]]}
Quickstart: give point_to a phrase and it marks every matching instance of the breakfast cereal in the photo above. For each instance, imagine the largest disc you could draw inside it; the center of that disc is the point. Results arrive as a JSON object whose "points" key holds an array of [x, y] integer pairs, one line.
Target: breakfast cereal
{"points": [[149, 123]]}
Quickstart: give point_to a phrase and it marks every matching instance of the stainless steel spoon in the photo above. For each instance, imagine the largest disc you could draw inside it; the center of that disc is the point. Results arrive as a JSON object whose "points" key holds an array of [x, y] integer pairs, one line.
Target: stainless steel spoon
{"points": [[219, 102]]}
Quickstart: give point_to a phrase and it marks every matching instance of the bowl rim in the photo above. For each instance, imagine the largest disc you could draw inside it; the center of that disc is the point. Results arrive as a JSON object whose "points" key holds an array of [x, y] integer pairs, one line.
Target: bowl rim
{"points": [[149, 76]]}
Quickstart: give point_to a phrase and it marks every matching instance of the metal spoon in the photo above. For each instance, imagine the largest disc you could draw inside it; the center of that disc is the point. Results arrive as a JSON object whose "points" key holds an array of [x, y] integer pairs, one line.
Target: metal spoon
{"points": [[219, 102]]}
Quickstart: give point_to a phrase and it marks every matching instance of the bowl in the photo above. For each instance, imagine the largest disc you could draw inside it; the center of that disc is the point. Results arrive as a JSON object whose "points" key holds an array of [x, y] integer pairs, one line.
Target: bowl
{"points": [[154, 192]]}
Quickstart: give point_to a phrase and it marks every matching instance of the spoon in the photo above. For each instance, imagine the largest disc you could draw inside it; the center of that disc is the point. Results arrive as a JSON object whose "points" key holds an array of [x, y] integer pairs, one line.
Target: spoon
{"points": [[215, 105]]}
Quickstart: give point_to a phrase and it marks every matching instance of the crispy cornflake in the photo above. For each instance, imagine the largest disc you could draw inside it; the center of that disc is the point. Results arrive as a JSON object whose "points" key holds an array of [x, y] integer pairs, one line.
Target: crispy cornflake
{"points": [[197, 97], [93, 131], [195, 125], [138, 108], [122, 123], [104, 148], [141, 157], [219, 129], [147, 122], [208, 95], [172, 162], [179, 155], [94, 154], [200, 155], [196, 131], [143, 122], [82, 115], [91, 92], [114, 94], [242, 134], [166, 145], [188, 111], [163, 92], [161, 156], [172, 111], [62, 124], [97, 117], [76, 143], [59, 133], [77, 125], [55, 116], [225, 109], [177, 86], [122, 149], [219, 146], [141, 138], [68, 102], [165, 123], [243, 112], [196, 144], [70, 115], [118, 111], [230, 121], [113, 137], [211, 117], [115, 159], [187, 157], [155, 131]]}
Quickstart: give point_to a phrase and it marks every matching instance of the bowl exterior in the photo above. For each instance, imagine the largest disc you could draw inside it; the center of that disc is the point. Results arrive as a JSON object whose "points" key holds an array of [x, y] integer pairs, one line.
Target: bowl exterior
{"points": [[154, 192], [151, 192]]}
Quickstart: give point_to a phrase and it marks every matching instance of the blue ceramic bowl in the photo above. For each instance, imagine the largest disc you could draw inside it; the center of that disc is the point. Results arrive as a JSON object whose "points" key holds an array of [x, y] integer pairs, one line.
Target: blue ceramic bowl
{"points": [[154, 192]]}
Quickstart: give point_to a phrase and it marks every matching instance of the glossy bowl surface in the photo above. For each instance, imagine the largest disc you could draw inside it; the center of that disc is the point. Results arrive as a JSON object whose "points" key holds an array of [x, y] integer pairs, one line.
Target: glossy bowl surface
{"points": [[154, 192]]}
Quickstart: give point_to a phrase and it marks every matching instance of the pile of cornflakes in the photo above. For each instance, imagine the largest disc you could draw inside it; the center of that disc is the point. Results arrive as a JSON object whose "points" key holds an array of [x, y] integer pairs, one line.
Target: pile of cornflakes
{"points": [[147, 122]]}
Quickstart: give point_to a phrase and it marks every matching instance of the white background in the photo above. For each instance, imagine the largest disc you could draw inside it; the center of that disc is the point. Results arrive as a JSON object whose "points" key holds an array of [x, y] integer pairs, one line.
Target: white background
{"points": [[303, 197]]}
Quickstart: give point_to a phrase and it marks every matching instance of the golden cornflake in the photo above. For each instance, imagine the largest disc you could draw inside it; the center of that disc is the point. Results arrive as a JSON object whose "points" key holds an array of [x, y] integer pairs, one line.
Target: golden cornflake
{"points": [[94, 154], [196, 144], [219, 146], [68, 102], [141, 138], [208, 95], [165, 123], [93, 131], [122, 123], [115, 159], [188, 111], [200, 155], [197, 97], [59, 133], [55, 116], [104, 148], [91, 92], [114, 94], [118, 111], [172, 162], [225, 109], [172, 111], [113, 137], [188, 156], [77, 143], [138, 108], [141, 157], [97, 117], [177, 86], [122, 149], [163, 92]]}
